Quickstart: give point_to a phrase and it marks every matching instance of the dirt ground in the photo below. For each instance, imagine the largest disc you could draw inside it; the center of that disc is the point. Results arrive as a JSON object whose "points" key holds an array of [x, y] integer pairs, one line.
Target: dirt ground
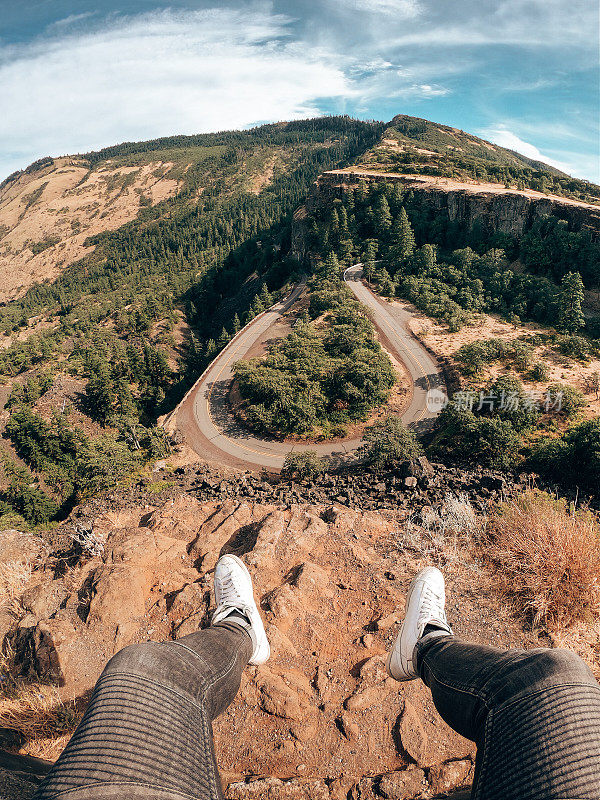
{"points": [[561, 369]]}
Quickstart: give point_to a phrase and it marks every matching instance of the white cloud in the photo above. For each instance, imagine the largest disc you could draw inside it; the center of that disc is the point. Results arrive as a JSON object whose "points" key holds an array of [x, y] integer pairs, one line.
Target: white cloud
{"points": [[72, 19], [506, 138], [398, 8], [424, 90], [154, 75], [571, 24]]}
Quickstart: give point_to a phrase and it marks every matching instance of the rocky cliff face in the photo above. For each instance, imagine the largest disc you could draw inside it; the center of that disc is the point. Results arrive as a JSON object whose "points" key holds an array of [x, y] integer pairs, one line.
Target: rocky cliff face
{"points": [[494, 207], [321, 719]]}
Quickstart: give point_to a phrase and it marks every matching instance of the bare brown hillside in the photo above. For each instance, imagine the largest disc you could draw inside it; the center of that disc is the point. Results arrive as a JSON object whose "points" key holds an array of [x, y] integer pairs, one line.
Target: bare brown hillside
{"points": [[46, 215]]}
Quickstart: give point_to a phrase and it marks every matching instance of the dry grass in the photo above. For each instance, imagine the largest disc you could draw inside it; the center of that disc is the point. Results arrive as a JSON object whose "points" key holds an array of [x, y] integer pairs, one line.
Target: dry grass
{"points": [[37, 712], [14, 576], [547, 558], [33, 710], [444, 535]]}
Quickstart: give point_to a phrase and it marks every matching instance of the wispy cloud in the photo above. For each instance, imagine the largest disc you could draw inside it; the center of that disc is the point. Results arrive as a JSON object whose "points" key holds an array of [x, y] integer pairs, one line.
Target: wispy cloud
{"points": [[399, 8], [530, 23], [506, 138], [156, 74]]}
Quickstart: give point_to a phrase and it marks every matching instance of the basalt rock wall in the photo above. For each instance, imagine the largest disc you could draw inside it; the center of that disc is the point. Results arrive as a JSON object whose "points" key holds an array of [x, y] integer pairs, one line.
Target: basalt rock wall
{"points": [[509, 212]]}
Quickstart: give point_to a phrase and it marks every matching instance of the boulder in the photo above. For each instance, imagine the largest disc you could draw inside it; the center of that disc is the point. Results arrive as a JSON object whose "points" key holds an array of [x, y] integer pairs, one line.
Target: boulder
{"points": [[452, 775], [402, 785], [44, 599]]}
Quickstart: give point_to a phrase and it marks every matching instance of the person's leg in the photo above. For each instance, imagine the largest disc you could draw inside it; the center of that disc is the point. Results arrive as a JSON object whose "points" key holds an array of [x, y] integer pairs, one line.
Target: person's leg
{"points": [[147, 732], [534, 715]]}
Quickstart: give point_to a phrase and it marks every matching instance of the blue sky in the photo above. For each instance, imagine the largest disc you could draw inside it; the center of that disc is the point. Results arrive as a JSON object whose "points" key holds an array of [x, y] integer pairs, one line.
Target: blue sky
{"points": [[79, 75]]}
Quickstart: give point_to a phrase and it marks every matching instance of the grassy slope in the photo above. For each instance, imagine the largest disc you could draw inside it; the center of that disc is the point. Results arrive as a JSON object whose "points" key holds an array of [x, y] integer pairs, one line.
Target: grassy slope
{"points": [[418, 146]]}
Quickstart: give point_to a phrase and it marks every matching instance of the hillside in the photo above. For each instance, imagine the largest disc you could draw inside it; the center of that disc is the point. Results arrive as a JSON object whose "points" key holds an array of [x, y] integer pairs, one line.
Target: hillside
{"points": [[51, 212], [133, 277], [94, 354], [414, 146]]}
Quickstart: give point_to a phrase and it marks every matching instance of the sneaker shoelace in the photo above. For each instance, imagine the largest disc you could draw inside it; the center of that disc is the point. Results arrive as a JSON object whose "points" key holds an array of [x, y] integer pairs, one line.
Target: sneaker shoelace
{"points": [[230, 594], [432, 608]]}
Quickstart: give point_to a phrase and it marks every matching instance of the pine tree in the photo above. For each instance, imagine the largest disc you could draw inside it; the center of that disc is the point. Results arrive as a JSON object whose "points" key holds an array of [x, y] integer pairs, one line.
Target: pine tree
{"points": [[257, 306], [370, 255], [343, 217], [237, 325], [429, 257], [403, 240], [265, 296], [382, 217], [331, 267], [396, 198], [223, 339], [571, 297]]}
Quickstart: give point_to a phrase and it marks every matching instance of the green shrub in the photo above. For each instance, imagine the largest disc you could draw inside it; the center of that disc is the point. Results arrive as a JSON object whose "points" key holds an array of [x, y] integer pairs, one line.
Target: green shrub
{"points": [[317, 379], [574, 459], [564, 399], [388, 443], [577, 347], [303, 465], [486, 441], [539, 372]]}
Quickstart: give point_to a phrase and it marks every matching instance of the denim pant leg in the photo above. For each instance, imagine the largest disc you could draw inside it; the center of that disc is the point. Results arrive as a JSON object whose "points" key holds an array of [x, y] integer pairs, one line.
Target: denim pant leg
{"points": [[534, 715], [147, 732]]}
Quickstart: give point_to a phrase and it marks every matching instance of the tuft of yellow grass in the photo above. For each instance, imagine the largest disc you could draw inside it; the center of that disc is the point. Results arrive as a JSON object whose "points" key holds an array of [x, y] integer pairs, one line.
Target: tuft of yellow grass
{"points": [[37, 712], [34, 710], [547, 559], [14, 576]]}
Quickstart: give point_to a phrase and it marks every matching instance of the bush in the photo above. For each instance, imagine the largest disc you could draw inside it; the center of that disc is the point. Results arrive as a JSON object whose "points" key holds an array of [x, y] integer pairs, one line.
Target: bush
{"points": [[303, 465], [577, 347], [547, 559], [487, 441], [574, 459], [562, 398], [317, 378], [474, 356], [539, 372], [387, 443]]}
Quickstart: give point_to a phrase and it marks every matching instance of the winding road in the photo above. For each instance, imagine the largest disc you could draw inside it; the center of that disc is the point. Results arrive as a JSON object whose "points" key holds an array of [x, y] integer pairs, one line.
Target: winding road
{"points": [[205, 419]]}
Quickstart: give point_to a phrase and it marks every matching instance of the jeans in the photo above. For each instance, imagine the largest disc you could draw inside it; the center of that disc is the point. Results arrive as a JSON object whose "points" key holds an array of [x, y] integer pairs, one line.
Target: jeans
{"points": [[533, 714], [147, 733]]}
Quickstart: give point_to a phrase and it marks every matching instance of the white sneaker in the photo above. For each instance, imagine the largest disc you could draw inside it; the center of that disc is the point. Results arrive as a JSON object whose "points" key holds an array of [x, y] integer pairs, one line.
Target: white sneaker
{"points": [[425, 604], [233, 593]]}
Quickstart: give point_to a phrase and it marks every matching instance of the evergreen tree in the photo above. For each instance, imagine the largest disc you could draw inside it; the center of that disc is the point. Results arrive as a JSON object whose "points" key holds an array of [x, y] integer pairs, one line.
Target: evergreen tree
{"points": [[382, 217], [369, 257], [237, 325], [257, 306], [223, 339], [265, 296], [571, 297], [403, 240], [331, 267], [343, 217]]}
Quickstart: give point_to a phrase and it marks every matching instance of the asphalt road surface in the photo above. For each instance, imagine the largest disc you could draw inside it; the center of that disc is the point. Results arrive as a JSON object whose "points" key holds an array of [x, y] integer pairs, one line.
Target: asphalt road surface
{"points": [[205, 419]]}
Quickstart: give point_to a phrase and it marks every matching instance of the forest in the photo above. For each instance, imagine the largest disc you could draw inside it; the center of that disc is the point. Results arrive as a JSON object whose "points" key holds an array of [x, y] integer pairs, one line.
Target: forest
{"points": [[328, 372], [215, 255], [193, 253], [452, 275]]}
